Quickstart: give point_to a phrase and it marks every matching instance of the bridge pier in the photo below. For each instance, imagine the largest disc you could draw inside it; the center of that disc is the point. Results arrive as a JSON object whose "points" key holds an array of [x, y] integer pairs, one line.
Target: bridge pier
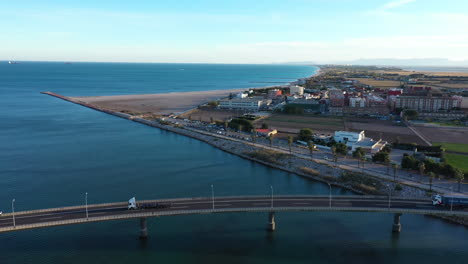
{"points": [[271, 221], [143, 228], [396, 228]]}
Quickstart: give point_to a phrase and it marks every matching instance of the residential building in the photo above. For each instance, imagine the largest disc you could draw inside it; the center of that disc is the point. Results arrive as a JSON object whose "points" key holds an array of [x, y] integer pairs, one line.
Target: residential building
{"points": [[348, 137], [427, 103], [299, 90], [357, 102]]}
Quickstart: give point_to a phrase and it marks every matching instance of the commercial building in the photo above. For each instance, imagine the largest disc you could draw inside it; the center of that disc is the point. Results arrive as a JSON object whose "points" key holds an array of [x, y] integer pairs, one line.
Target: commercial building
{"points": [[357, 102], [241, 104]]}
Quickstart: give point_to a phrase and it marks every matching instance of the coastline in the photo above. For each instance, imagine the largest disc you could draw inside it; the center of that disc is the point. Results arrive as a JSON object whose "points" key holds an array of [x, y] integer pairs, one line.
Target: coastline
{"points": [[167, 103], [242, 149]]}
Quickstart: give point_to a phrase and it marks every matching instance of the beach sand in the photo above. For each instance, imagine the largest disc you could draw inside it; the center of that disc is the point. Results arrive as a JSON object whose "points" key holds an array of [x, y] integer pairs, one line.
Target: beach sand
{"points": [[162, 104]]}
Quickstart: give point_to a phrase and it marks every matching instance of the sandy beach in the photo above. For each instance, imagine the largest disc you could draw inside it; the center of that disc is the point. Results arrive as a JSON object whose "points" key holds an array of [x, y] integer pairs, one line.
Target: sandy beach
{"points": [[162, 104]]}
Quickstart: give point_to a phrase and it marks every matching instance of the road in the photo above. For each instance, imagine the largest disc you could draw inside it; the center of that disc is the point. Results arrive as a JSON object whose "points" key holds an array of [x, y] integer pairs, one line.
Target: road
{"points": [[113, 211]]}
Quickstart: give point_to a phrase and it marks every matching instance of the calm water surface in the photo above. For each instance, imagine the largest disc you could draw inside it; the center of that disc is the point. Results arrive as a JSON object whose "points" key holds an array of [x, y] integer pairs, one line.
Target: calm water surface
{"points": [[52, 152]]}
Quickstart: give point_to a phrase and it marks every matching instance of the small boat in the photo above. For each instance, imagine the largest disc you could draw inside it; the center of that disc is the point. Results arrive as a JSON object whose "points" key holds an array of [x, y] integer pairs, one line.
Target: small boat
{"points": [[12, 62]]}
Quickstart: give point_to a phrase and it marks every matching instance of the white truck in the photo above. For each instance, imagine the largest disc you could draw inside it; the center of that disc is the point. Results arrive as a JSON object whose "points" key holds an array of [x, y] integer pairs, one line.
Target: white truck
{"points": [[449, 201], [134, 205]]}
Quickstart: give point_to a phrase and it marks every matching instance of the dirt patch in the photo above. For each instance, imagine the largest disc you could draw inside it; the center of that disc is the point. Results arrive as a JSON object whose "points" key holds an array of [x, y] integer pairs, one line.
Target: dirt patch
{"points": [[291, 124], [206, 114], [444, 134], [385, 129]]}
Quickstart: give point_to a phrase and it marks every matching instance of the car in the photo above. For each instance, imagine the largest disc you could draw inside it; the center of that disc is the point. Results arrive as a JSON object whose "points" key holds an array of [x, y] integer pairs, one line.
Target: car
{"points": [[1, 212], [325, 158]]}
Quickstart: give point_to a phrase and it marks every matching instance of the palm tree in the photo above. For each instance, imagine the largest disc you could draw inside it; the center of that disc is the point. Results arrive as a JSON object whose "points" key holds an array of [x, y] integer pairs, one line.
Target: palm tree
{"points": [[395, 168], [270, 138], [422, 168], [254, 135], [311, 146], [358, 155], [387, 163], [226, 124], [459, 176], [290, 141], [431, 177]]}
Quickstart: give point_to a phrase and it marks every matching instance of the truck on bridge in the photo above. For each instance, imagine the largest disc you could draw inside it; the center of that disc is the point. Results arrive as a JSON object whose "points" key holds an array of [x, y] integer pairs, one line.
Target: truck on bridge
{"points": [[134, 205], [445, 200]]}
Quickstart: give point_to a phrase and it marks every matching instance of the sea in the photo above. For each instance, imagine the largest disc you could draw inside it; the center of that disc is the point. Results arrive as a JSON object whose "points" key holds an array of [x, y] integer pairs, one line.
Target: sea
{"points": [[52, 152]]}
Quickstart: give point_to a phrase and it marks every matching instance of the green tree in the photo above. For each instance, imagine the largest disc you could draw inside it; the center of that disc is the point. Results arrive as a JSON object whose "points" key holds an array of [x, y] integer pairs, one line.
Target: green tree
{"points": [[357, 151], [410, 114], [459, 176], [305, 134], [341, 148], [311, 146], [211, 120], [290, 141]]}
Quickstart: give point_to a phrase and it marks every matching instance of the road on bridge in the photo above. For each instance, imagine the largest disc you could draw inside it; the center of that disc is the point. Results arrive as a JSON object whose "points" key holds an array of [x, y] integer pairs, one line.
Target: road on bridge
{"points": [[220, 203]]}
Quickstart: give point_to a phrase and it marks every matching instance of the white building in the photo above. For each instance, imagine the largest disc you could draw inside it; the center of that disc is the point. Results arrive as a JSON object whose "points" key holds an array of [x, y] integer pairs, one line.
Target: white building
{"points": [[241, 95], [356, 140], [299, 90], [349, 138], [242, 104]]}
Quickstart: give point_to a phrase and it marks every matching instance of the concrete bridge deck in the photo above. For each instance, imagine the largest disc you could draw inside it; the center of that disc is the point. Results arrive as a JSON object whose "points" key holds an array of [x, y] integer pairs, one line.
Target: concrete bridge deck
{"points": [[204, 205]]}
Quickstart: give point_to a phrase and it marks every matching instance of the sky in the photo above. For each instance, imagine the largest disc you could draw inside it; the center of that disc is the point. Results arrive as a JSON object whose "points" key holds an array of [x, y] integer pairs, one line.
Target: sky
{"points": [[232, 31]]}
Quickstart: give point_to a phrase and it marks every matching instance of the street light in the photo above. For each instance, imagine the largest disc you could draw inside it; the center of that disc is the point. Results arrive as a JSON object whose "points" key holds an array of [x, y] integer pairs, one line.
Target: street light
{"points": [[389, 196], [13, 211], [451, 199], [86, 202], [271, 187], [330, 196], [212, 195]]}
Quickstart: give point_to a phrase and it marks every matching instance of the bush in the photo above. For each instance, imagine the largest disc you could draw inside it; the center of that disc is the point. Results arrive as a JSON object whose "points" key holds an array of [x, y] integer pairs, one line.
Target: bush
{"points": [[305, 134], [269, 156], [381, 157], [309, 171], [398, 187]]}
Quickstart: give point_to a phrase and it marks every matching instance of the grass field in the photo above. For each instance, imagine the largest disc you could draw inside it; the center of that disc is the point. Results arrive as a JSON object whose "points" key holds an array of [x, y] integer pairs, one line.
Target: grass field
{"points": [[454, 147], [458, 161], [376, 83]]}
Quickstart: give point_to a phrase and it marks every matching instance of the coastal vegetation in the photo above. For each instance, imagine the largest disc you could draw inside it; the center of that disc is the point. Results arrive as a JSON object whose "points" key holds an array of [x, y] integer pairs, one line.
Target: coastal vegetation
{"points": [[267, 155], [362, 183]]}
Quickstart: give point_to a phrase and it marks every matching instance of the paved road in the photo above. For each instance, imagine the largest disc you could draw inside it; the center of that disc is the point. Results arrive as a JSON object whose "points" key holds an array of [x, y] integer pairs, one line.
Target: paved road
{"points": [[221, 204]]}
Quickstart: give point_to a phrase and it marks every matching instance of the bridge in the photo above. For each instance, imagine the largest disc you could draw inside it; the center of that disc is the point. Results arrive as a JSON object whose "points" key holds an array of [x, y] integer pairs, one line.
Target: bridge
{"points": [[23, 220]]}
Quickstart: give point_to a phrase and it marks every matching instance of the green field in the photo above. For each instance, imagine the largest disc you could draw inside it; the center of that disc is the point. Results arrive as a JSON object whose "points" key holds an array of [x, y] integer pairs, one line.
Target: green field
{"points": [[453, 146], [458, 161]]}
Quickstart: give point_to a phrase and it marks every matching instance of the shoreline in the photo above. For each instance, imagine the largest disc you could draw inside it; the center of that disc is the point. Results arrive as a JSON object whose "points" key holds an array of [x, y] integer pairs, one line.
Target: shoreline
{"points": [[231, 146], [169, 103]]}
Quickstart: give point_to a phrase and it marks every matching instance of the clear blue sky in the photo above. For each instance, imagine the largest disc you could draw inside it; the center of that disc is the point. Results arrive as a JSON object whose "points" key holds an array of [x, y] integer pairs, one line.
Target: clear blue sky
{"points": [[238, 31]]}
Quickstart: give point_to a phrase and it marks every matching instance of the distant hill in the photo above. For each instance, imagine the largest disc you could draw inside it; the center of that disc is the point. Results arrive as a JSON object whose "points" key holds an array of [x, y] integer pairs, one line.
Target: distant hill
{"points": [[404, 63]]}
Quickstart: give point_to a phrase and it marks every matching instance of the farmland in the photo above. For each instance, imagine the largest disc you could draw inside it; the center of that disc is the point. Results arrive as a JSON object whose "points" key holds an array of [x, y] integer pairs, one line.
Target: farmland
{"points": [[376, 83]]}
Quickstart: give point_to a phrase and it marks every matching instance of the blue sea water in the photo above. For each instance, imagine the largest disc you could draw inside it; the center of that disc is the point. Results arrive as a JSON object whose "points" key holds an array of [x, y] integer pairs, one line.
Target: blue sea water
{"points": [[52, 152]]}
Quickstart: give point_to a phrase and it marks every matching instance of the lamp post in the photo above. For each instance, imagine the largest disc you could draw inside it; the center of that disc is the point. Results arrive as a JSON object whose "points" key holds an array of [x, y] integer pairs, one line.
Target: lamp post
{"points": [[212, 195], [451, 199], [330, 195], [389, 196], [271, 187], [13, 211], [86, 202]]}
